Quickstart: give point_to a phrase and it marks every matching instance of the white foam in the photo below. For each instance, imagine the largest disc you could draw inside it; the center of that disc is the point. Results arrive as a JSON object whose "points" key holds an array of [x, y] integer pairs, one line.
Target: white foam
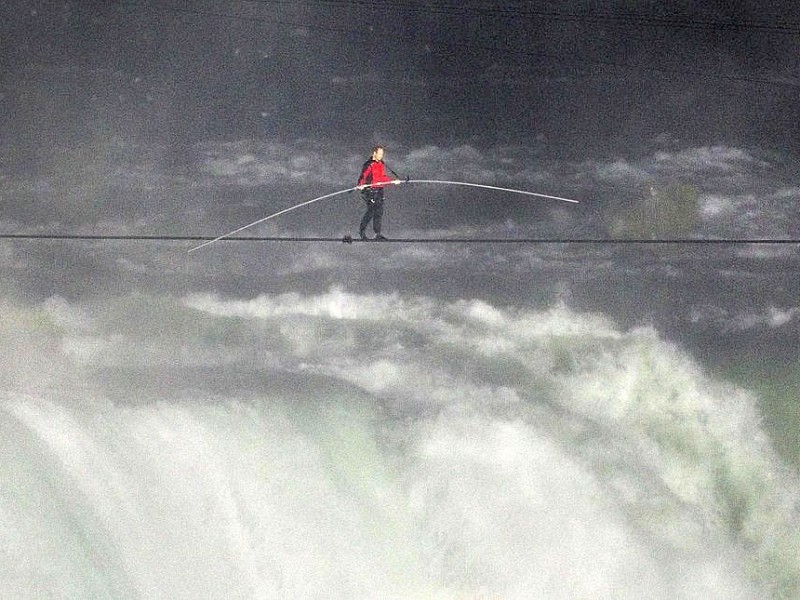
{"points": [[400, 448]]}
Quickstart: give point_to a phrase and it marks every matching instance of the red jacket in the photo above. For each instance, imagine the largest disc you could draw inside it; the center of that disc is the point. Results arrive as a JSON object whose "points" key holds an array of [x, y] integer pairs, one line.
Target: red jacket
{"points": [[373, 174]]}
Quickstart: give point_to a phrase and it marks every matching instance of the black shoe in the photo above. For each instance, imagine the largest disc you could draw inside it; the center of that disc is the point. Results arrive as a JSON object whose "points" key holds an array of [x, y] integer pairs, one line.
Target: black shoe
{"points": [[363, 236], [380, 238]]}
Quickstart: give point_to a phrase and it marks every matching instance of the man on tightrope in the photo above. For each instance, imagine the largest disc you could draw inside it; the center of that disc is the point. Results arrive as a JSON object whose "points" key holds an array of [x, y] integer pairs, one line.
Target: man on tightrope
{"points": [[371, 183]]}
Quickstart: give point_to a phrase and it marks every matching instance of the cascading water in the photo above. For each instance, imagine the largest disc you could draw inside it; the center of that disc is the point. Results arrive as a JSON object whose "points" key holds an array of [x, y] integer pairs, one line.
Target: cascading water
{"points": [[343, 446]]}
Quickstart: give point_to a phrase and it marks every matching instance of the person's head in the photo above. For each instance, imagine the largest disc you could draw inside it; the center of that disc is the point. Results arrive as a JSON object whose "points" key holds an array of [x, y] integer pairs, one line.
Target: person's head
{"points": [[377, 153]]}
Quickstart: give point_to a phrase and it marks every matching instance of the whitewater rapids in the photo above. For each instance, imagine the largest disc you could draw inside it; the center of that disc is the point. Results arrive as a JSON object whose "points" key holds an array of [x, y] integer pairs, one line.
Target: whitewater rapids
{"points": [[354, 447]]}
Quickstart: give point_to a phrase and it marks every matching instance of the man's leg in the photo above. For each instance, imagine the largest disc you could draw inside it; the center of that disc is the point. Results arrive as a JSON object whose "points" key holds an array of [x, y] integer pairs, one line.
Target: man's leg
{"points": [[369, 214], [377, 212]]}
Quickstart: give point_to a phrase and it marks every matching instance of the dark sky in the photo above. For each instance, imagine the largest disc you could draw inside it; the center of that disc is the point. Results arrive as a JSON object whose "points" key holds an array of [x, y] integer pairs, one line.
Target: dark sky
{"points": [[585, 76]]}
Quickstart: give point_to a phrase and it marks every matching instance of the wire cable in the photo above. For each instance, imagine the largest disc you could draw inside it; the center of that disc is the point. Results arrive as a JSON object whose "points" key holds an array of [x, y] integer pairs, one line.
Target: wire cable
{"points": [[415, 240]]}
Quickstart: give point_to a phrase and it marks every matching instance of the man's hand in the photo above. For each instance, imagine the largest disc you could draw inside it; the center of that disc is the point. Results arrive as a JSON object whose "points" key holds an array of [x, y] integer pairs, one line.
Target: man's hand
{"points": [[397, 181]]}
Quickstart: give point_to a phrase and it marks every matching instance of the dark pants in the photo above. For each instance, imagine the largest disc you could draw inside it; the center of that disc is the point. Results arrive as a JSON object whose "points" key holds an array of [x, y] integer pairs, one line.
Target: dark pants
{"points": [[374, 200]]}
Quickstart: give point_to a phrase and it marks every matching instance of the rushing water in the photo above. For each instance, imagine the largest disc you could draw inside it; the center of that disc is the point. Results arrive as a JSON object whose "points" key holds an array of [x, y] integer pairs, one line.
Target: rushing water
{"points": [[343, 446]]}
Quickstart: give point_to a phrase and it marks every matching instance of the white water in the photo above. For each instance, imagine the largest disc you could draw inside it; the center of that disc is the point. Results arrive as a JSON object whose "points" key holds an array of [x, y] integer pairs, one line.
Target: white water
{"points": [[339, 446]]}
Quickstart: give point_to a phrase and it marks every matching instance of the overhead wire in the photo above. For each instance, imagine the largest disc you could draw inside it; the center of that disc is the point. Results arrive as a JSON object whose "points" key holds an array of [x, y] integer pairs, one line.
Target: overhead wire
{"points": [[415, 240]]}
